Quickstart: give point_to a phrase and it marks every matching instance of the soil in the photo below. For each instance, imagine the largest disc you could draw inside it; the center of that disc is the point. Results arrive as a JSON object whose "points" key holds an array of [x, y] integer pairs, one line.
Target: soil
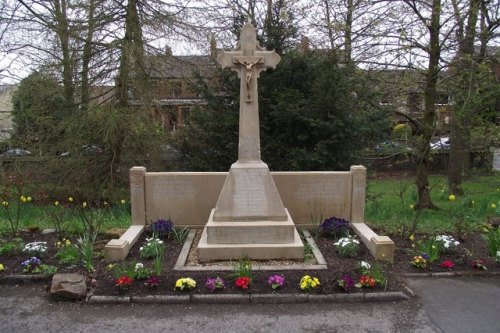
{"points": [[101, 282]]}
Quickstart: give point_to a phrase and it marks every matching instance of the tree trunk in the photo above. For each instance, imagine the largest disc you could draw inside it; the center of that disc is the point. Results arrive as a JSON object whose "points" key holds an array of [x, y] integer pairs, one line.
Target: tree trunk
{"points": [[429, 119], [348, 31], [463, 109], [67, 62], [87, 56]]}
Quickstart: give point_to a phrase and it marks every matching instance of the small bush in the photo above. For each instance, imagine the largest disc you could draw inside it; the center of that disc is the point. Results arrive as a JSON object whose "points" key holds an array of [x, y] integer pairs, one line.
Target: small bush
{"points": [[492, 239]]}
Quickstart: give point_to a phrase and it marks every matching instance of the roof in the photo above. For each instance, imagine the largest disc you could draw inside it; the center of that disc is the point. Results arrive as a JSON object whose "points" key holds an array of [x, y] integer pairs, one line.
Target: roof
{"points": [[179, 67]]}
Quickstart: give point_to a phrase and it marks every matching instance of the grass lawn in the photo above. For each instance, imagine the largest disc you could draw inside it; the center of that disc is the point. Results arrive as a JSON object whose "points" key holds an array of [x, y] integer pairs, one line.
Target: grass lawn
{"points": [[389, 203], [388, 207]]}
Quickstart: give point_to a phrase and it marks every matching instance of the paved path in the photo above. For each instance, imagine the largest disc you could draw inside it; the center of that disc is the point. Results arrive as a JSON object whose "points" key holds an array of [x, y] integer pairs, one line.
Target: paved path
{"points": [[467, 304]]}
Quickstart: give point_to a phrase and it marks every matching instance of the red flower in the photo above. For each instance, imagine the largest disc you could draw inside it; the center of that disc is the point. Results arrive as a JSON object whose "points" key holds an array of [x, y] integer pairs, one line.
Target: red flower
{"points": [[367, 281], [243, 282], [447, 264], [124, 281]]}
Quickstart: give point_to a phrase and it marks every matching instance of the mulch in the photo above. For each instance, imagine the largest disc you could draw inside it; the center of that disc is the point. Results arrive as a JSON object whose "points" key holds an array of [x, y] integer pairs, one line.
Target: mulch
{"points": [[101, 282]]}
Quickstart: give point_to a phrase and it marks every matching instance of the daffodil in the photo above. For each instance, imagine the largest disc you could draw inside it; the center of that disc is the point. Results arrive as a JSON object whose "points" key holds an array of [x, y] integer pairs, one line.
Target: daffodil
{"points": [[493, 206], [5, 203], [70, 199], [412, 238], [56, 203], [2, 268], [23, 198], [29, 199], [84, 204], [451, 197], [411, 206], [122, 201]]}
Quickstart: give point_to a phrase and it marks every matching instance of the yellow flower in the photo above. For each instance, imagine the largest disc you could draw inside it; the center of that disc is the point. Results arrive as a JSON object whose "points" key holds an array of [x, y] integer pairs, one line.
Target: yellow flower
{"points": [[122, 201], [23, 198], [493, 206], [29, 199], [412, 238], [58, 244], [105, 203], [68, 243], [56, 203], [451, 197], [110, 266], [472, 202], [70, 199], [84, 204], [2, 268], [5, 203], [411, 206]]}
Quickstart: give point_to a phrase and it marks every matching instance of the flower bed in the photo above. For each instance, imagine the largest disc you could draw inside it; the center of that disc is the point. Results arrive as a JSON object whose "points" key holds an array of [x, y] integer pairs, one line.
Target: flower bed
{"points": [[353, 274]]}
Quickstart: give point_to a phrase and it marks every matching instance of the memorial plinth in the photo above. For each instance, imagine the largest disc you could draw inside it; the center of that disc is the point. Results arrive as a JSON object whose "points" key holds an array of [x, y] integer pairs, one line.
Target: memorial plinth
{"points": [[249, 219]]}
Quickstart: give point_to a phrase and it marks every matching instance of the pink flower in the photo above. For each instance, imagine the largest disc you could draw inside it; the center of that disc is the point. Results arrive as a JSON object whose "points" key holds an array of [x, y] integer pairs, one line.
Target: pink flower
{"points": [[447, 264]]}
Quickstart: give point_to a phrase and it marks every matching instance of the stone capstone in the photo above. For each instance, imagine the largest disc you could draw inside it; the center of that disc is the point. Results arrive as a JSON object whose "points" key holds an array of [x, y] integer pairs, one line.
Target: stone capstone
{"points": [[68, 287]]}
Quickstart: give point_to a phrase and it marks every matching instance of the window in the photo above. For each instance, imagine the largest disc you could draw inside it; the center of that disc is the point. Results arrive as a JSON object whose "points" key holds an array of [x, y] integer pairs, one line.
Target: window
{"points": [[442, 99]]}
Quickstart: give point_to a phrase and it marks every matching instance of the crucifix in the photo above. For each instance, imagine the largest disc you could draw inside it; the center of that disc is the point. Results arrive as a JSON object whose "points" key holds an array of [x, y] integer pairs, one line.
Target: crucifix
{"points": [[248, 59]]}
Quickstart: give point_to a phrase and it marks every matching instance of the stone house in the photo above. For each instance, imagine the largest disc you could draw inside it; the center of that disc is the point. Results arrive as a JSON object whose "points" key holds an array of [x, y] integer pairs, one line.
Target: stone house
{"points": [[6, 126], [171, 78]]}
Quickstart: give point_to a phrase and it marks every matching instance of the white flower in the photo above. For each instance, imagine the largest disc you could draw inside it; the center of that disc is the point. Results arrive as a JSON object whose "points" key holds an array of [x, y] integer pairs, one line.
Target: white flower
{"points": [[365, 265], [141, 248], [39, 247], [346, 241], [138, 266]]}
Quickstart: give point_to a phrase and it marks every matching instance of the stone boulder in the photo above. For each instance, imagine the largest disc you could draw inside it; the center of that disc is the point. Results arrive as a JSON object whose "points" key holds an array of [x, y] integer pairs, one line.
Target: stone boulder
{"points": [[68, 287]]}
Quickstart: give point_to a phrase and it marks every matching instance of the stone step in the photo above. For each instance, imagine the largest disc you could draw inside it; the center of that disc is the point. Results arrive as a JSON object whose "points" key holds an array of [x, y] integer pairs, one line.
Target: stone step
{"points": [[262, 251], [252, 232]]}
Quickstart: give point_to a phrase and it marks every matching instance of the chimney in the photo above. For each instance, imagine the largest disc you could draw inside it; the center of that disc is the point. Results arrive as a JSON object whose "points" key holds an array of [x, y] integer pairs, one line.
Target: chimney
{"points": [[304, 44], [213, 47]]}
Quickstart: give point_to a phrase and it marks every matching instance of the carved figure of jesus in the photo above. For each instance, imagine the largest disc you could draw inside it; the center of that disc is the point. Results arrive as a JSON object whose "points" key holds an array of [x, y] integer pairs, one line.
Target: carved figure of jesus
{"points": [[248, 73]]}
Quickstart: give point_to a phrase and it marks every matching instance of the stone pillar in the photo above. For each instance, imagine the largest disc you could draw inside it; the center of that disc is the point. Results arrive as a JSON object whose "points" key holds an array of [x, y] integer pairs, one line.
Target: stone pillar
{"points": [[137, 195], [358, 193]]}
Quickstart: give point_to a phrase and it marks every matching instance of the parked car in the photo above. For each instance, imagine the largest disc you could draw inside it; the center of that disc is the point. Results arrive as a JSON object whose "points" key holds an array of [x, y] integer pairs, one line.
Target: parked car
{"points": [[441, 143], [392, 147], [16, 152], [92, 149]]}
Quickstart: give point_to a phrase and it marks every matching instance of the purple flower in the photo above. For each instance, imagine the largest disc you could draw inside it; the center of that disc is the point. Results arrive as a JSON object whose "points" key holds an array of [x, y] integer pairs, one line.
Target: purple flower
{"points": [[276, 281], [152, 282], [162, 227], [346, 283], [335, 226], [31, 262], [215, 284], [425, 256]]}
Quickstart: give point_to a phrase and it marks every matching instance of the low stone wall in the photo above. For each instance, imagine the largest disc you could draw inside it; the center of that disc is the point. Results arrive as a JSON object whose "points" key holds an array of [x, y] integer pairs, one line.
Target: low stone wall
{"points": [[188, 197]]}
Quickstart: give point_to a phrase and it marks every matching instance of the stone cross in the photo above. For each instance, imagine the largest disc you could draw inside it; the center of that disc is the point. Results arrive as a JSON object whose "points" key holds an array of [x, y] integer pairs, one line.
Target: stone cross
{"points": [[248, 59]]}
